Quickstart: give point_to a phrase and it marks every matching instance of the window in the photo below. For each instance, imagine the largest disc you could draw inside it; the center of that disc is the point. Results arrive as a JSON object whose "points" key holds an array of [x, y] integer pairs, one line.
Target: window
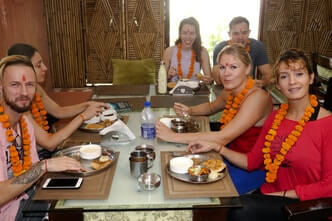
{"points": [[213, 17]]}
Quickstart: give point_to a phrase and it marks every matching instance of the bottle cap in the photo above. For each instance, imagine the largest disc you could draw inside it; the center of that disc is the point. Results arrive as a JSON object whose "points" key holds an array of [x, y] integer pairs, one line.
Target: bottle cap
{"points": [[147, 104]]}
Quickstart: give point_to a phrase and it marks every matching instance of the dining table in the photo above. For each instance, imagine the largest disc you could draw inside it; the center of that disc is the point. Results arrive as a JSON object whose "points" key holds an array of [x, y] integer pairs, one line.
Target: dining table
{"points": [[121, 199]]}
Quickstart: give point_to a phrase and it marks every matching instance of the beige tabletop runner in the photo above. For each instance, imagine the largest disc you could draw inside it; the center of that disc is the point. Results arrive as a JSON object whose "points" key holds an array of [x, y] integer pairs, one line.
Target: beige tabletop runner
{"points": [[174, 188], [137, 89], [136, 103], [167, 101], [95, 186]]}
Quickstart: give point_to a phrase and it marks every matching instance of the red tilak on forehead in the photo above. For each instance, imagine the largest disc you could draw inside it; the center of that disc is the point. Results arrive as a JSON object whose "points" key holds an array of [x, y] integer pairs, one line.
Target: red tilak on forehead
{"points": [[23, 78], [226, 64]]}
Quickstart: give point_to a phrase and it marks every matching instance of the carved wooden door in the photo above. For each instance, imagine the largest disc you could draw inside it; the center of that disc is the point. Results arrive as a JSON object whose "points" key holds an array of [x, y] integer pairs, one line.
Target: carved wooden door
{"points": [[103, 34], [304, 24], [144, 29], [84, 36], [126, 29]]}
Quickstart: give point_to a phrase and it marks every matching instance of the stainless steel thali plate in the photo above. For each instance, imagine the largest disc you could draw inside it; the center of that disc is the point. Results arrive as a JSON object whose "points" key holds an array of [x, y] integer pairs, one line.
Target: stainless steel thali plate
{"points": [[74, 152], [197, 158]]}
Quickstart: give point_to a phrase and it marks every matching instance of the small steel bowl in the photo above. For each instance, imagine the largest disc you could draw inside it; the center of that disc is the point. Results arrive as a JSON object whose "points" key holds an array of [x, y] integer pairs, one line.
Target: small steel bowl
{"points": [[149, 181], [179, 125], [195, 175], [178, 121]]}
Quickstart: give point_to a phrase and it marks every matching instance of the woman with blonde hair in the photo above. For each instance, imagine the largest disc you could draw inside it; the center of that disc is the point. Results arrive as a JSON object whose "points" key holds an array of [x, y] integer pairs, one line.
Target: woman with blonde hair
{"points": [[294, 146], [245, 110]]}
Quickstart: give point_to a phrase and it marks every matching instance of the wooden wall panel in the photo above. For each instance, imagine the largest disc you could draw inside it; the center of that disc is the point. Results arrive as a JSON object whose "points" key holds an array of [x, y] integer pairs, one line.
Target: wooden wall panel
{"points": [[103, 38], [64, 27], [145, 29], [23, 21], [304, 24], [126, 29]]}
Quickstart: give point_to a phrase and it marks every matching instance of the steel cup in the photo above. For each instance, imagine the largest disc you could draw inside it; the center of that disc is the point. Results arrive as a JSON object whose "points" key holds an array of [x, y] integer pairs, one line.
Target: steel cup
{"points": [[138, 155], [137, 167], [149, 150]]}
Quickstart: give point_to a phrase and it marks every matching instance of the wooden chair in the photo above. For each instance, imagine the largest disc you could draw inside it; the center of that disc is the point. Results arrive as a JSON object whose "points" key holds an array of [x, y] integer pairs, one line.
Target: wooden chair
{"points": [[322, 66], [319, 209], [328, 95]]}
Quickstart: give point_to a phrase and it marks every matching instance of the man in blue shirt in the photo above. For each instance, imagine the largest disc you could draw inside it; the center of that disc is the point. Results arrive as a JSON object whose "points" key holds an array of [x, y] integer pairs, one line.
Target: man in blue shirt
{"points": [[239, 33]]}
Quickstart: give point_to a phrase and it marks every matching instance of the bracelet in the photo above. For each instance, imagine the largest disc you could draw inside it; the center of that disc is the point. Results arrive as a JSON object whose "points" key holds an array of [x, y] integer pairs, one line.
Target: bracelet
{"points": [[284, 194], [82, 116], [45, 165]]}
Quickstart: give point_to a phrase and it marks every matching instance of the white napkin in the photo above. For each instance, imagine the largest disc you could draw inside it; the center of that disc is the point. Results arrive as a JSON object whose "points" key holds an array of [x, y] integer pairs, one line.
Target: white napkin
{"points": [[166, 121], [109, 114], [118, 126], [191, 84], [102, 117], [93, 120]]}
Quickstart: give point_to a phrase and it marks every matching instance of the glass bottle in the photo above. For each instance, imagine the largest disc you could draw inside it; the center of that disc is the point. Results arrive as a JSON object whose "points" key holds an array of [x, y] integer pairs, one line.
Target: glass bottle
{"points": [[162, 79]]}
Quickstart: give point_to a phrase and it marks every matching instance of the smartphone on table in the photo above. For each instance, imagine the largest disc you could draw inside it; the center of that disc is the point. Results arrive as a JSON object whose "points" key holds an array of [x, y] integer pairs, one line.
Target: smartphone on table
{"points": [[63, 183]]}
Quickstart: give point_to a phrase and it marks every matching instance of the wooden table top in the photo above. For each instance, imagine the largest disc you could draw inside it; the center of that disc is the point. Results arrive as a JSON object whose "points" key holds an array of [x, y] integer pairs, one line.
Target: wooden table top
{"points": [[141, 90]]}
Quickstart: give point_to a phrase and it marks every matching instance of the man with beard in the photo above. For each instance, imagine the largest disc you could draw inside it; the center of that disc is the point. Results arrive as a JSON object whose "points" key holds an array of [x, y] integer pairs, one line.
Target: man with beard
{"points": [[239, 33], [20, 167]]}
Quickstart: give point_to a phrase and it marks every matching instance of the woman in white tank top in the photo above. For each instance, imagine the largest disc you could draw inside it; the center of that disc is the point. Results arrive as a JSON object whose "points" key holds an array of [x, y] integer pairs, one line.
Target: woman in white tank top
{"points": [[187, 57]]}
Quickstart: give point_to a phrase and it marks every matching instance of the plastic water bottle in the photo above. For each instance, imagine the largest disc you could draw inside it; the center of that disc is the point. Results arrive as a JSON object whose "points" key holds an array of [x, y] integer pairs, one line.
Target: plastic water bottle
{"points": [[148, 128]]}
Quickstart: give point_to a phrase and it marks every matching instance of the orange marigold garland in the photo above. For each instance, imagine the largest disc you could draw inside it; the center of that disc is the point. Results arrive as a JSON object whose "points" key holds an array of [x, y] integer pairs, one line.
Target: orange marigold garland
{"points": [[192, 62], [233, 104], [17, 166], [272, 165], [39, 113], [247, 46]]}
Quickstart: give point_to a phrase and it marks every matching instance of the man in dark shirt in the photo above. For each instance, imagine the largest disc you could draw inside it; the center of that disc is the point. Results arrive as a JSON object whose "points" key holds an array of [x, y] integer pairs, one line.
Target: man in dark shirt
{"points": [[239, 33]]}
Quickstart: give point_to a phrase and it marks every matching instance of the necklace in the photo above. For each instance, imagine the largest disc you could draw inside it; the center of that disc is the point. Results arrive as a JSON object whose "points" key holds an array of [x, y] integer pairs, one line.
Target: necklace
{"points": [[247, 46], [192, 62], [17, 166], [233, 103], [272, 165], [39, 113]]}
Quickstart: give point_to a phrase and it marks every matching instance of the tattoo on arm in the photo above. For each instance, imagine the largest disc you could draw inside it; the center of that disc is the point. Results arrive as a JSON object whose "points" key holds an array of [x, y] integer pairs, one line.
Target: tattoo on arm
{"points": [[31, 175]]}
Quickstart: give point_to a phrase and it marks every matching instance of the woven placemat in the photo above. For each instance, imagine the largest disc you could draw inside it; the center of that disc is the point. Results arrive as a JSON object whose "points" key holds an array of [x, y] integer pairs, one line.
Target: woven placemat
{"points": [[174, 189], [96, 186]]}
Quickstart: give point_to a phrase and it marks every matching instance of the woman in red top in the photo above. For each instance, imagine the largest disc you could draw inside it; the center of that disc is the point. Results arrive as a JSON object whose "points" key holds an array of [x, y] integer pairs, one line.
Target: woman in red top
{"points": [[294, 146], [246, 107]]}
